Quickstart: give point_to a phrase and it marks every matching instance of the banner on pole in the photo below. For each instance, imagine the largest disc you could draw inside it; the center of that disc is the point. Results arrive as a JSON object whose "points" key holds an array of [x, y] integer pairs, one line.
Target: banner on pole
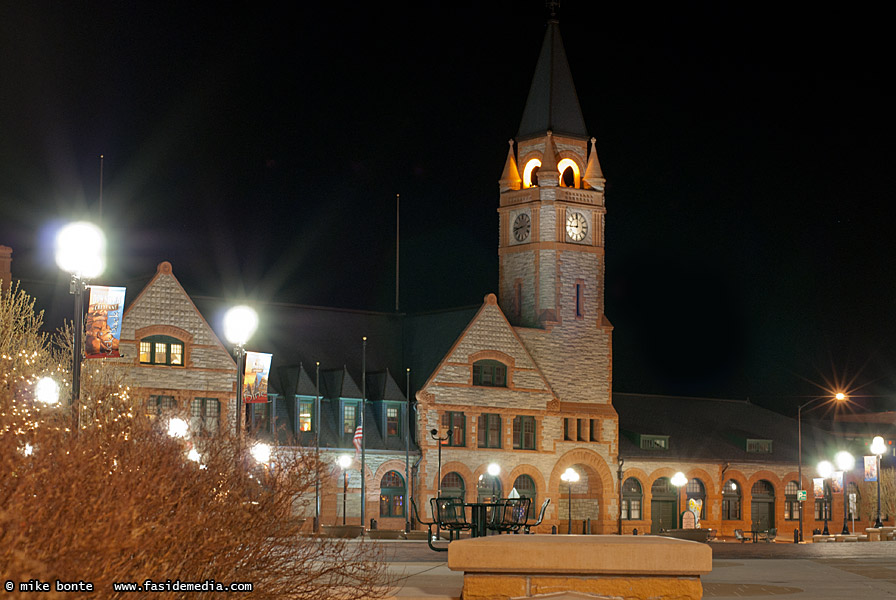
{"points": [[818, 487], [255, 377], [871, 468], [837, 482], [104, 311]]}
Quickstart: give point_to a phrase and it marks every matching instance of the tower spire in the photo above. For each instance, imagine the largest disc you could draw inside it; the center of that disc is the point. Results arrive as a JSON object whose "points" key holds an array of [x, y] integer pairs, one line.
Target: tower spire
{"points": [[510, 177]]}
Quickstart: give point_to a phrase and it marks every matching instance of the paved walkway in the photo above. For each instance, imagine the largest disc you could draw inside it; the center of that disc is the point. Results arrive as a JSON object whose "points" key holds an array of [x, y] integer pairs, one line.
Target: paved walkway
{"points": [[853, 571]]}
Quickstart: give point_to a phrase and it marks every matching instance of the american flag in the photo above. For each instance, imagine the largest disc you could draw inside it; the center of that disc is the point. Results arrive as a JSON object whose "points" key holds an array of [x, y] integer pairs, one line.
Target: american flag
{"points": [[359, 435]]}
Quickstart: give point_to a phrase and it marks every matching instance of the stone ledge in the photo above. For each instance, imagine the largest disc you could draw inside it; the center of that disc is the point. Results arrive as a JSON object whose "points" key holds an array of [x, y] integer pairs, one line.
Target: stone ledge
{"points": [[586, 555]]}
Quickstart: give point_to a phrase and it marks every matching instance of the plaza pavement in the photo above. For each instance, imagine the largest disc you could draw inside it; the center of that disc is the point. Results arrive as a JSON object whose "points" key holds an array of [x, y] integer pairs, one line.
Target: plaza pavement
{"points": [[841, 571]]}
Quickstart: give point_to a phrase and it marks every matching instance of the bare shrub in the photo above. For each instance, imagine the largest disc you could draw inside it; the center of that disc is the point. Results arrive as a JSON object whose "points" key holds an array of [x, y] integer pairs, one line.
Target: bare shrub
{"points": [[120, 501]]}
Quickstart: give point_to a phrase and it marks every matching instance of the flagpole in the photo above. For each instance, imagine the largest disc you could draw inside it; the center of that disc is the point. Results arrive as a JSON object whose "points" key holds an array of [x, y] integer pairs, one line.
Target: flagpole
{"points": [[316, 421], [363, 429], [407, 453], [397, 200]]}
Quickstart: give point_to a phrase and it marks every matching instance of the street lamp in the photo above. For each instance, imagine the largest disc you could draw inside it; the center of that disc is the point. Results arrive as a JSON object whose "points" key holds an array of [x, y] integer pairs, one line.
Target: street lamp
{"points": [[839, 397], [80, 251], [570, 476], [261, 452], [678, 480], [435, 435], [344, 461], [825, 469], [845, 462], [878, 447], [47, 391], [177, 427], [240, 322], [494, 469]]}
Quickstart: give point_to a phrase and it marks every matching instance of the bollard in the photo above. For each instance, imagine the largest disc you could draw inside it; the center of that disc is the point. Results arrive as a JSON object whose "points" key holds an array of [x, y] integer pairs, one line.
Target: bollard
{"points": [[373, 524], [584, 525], [796, 536], [553, 530], [635, 531]]}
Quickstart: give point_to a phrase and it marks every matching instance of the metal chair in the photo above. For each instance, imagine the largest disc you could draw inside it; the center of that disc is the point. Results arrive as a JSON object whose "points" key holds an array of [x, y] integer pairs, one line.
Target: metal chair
{"points": [[510, 514], [769, 536], [429, 525], [541, 512], [739, 535], [449, 514]]}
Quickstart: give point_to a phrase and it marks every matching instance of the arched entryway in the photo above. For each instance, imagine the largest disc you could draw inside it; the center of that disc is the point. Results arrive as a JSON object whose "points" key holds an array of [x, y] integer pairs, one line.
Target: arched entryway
{"points": [[663, 505], [579, 503], [762, 505]]}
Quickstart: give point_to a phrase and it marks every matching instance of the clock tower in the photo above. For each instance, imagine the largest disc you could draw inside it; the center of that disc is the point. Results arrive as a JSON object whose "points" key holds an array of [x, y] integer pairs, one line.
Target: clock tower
{"points": [[551, 248]]}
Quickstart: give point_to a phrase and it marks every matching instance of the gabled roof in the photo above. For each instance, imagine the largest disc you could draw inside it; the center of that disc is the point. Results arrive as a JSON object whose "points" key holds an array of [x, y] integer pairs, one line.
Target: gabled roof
{"points": [[553, 104], [382, 386], [712, 429]]}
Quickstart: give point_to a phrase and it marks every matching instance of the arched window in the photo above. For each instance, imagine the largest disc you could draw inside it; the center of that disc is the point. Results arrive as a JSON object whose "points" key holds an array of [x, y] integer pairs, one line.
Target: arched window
{"points": [[696, 497], [525, 487], [791, 504], [453, 486], [530, 173], [631, 499], [488, 487], [490, 373], [569, 173], [162, 350], [762, 488], [392, 495], [731, 501]]}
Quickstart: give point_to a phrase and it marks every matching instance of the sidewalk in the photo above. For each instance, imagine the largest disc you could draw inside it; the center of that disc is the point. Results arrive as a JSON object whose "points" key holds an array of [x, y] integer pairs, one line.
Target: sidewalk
{"points": [[868, 571]]}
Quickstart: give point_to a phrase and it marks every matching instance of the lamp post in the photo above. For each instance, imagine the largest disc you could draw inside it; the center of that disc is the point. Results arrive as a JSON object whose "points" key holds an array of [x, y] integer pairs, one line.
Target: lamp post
{"points": [[825, 469], [839, 397], [494, 469], [80, 251], [407, 448], [240, 322], [344, 461], [845, 462], [46, 390], [678, 480], [878, 447], [435, 435], [570, 476]]}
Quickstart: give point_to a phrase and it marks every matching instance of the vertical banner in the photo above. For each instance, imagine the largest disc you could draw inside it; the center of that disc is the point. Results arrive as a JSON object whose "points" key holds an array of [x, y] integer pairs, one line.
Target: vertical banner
{"points": [[255, 378], [104, 312], [837, 482], [818, 487], [871, 468]]}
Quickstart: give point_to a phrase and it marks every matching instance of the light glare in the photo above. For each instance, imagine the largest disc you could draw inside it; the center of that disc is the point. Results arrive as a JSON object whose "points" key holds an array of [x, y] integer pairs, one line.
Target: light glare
{"points": [[81, 249], [240, 323]]}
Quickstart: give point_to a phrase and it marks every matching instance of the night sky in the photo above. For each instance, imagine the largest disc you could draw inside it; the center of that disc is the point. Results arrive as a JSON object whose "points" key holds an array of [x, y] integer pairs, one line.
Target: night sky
{"points": [[748, 149]]}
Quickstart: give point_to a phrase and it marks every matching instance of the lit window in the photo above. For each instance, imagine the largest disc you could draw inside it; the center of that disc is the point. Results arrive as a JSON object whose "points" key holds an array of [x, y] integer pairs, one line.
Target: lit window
{"points": [[654, 442], [162, 350], [456, 423], [305, 416], [348, 419], [392, 424], [177, 354], [530, 172], [145, 352]]}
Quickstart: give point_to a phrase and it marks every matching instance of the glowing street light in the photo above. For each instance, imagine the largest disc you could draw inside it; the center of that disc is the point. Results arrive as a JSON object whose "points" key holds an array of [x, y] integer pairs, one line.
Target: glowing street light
{"points": [[80, 251], [839, 397], [177, 427], [47, 391], [878, 447], [570, 476], [344, 461], [678, 480], [261, 452], [845, 462], [240, 322]]}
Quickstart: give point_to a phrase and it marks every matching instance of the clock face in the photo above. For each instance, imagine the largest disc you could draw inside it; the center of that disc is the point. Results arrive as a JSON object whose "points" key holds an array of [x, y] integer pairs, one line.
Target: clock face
{"points": [[576, 226], [521, 227]]}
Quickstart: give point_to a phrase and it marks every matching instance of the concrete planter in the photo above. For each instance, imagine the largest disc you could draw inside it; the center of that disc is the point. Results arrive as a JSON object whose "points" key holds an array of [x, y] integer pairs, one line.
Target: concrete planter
{"points": [[342, 531], [384, 534]]}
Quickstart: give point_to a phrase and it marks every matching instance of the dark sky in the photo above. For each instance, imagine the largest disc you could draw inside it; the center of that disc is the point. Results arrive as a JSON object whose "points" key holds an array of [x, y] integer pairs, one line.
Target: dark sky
{"points": [[748, 149]]}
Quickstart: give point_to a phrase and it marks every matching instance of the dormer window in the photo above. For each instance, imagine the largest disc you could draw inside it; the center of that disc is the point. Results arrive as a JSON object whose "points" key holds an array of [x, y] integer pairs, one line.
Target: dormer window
{"points": [[490, 373], [162, 350], [654, 442], [759, 446]]}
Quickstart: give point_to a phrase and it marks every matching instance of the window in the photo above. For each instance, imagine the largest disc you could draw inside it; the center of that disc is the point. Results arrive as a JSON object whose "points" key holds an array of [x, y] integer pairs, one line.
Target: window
{"points": [[654, 442], [696, 497], [518, 299], [731, 501], [595, 430], [580, 301], [490, 373], [525, 487], [349, 416], [156, 405], [759, 446], [567, 426], [392, 495], [456, 423], [453, 486], [393, 428], [524, 433], [489, 431], [581, 430], [205, 414], [631, 499], [162, 350], [305, 412], [791, 504]]}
